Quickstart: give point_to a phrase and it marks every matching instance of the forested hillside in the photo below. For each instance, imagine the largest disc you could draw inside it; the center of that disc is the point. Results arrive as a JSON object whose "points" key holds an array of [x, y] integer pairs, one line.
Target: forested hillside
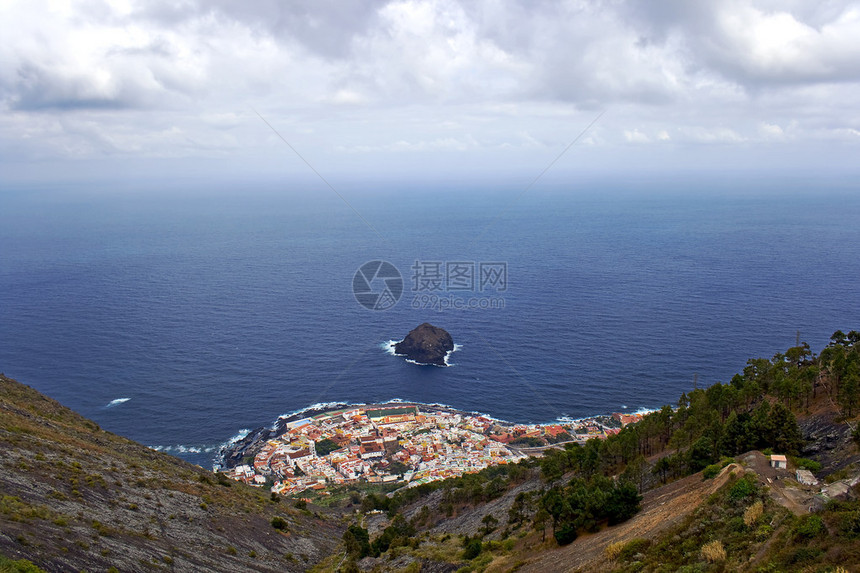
{"points": [[679, 487], [577, 490]]}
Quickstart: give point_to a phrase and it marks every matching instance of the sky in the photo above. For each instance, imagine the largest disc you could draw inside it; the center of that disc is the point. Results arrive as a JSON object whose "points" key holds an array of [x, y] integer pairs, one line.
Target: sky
{"points": [[269, 90]]}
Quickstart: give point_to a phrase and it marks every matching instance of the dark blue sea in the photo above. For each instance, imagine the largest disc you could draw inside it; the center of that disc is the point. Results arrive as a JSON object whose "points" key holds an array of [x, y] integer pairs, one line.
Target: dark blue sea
{"points": [[180, 316]]}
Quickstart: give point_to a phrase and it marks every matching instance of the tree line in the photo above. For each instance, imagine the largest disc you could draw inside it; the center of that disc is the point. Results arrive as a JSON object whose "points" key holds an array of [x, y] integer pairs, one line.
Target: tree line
{"points": [[601, 481]]}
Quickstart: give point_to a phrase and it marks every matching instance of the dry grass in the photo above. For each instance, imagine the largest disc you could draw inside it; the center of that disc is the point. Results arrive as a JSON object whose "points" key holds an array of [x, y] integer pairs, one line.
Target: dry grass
{"points": [[753, 513], [613, 550], [714, 551]]}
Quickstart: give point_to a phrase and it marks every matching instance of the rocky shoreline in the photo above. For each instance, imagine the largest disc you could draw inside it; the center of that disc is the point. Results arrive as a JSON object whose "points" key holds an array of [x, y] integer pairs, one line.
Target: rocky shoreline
{"points": [[236, 453]]}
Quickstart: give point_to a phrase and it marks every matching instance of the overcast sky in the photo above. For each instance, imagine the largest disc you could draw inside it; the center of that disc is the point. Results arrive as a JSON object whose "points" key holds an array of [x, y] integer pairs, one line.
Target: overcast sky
{"points": [[111, 89]]}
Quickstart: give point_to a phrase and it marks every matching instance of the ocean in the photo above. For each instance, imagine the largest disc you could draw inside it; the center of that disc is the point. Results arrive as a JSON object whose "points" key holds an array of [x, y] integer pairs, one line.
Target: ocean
{"points": [[179, 317]]}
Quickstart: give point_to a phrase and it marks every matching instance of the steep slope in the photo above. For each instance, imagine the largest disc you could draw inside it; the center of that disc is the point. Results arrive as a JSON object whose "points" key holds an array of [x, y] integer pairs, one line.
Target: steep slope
{"points": [[662, 508], [75, 497]]}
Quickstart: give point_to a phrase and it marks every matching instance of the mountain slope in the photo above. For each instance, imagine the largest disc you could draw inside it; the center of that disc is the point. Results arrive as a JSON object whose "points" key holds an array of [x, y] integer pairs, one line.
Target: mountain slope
{"points": [[74, 497]]}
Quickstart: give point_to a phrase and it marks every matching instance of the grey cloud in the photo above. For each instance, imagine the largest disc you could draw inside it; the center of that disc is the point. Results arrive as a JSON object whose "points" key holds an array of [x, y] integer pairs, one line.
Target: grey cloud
{"points": [[324, 27], [759, 45], [39, 89], [373, 75]]}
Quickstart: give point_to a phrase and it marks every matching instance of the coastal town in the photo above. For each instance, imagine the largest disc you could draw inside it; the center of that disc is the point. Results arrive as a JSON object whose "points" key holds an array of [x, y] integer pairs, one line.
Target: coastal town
{"points": [[397, 442]]}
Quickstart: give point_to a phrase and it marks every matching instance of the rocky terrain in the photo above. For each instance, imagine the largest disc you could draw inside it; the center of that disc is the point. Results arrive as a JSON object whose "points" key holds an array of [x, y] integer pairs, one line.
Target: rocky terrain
{"points": [[426, 344], [75, 497]]}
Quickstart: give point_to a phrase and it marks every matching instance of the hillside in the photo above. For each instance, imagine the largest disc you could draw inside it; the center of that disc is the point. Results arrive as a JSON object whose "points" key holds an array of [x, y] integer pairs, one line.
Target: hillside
{"points": [[686, 488], [710, 501], [76, 497]]}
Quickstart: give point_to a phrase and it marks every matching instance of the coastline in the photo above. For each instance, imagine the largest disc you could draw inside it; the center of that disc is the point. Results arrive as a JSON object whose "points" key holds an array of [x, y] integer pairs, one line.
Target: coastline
{"points": [[489, 441]]}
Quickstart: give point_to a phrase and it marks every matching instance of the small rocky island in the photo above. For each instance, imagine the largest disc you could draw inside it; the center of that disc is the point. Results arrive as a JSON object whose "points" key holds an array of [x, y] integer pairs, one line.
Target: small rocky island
{"points": [[426, 344]]}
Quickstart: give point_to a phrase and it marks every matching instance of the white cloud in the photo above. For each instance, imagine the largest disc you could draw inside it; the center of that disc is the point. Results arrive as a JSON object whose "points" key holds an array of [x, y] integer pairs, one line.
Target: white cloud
{"points": [[711, 135], [636, 136], [132, 79], [771, 131]]}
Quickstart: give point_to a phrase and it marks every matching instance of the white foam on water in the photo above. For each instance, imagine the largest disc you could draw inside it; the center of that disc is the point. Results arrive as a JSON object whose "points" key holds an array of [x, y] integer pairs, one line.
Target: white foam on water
{"points": [[184, 449], [643, 410], [450, 352], [117, 402], [239, 436], [388, 347]]}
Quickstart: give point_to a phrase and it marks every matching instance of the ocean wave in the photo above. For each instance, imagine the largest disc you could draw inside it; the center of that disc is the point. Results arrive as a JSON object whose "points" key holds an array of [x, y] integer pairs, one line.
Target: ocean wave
{"points": [[410, 361], [450, 352], [183, 449], [388, 347], [117, 402], [240, 435], [643, 410], [202, 449]]}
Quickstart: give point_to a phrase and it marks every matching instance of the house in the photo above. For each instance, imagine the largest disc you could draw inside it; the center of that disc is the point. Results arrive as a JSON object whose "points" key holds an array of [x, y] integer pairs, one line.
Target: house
{"points": [[371, 450], [778, 461], [838, 490], [805, 477]]}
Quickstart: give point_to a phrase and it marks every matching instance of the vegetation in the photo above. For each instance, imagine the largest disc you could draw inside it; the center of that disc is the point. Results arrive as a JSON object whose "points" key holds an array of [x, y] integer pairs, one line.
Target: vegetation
{"points": [[585, 504], [713, 551], [325, 446], [570, 492], [741, 528], [19, 566], [841, 360], [75, 494], [755, 410]]}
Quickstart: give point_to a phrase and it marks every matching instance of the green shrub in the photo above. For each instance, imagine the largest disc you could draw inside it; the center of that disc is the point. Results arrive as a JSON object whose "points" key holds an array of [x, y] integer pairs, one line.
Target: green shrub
{"points": [[804, 554], [810, 465], [279, 523], [711, 471], [744, 487], [849, 523], [633, 547], [565, 533], [763, 532], [20, 566], [809, 526], [473, 549]]}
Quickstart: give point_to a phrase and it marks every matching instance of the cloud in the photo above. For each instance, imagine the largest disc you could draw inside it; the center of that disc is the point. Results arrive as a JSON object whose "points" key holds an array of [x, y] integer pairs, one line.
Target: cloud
{"points": [[636, 136], [762, 44], [771, 131], [135, 79]]}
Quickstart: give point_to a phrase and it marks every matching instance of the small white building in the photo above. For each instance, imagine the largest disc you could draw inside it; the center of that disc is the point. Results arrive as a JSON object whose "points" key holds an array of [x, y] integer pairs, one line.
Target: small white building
{"points": [[805, 477], [778, 461]]}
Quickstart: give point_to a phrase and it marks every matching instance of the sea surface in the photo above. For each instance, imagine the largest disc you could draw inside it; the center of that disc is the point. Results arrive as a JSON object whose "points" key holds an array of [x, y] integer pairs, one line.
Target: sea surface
{"points": [[179, 317]]}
